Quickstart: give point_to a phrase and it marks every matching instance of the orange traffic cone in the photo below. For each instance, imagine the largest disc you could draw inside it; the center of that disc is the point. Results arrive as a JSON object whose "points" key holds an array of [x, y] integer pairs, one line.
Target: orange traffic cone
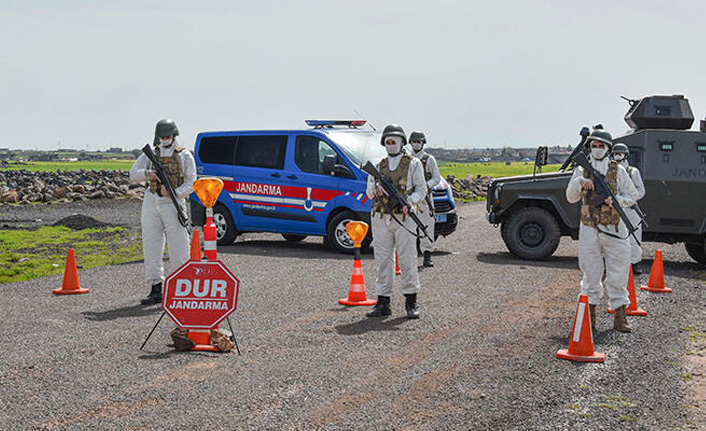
{"points": [[581, 342], [70, 284], [202, 338], [633, 309], [356, 293], [656, 283], [196, 246], [398, 271]]}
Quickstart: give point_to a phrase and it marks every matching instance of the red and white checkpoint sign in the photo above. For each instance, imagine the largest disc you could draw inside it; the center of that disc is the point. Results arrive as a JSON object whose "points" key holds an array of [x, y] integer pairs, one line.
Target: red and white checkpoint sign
{"points": [[200, 294]]}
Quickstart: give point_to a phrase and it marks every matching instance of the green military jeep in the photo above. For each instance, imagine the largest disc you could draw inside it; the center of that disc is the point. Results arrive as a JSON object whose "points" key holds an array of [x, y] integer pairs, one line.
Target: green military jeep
{"points": [[533, 211]]}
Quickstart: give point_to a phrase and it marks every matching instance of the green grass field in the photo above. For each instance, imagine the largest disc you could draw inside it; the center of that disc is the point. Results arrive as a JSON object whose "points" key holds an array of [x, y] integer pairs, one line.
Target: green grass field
{"points": [[494, 169], [110, 165]]}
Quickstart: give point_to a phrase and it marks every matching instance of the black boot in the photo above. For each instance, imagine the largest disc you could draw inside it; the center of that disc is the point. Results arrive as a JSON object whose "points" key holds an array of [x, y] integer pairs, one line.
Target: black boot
{"points": [[636, 269], [155, 296], [382, 308], [410, 304], [427, 260]]}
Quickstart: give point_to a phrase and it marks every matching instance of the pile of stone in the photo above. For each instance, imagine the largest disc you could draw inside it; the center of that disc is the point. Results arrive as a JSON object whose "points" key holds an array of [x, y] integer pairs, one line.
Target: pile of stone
{"points": [[469, 188], [23, 186]]}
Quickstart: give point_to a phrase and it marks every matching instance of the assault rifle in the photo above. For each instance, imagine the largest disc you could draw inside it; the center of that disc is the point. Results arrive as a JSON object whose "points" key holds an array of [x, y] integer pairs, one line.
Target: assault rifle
{"points": [[579, 148], [602, 192], [164, 180], [395, 198]]}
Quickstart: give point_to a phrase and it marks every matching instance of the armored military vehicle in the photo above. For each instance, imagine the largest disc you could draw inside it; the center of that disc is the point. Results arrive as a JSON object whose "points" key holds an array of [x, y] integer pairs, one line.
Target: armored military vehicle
{"points": [[533, 212]]}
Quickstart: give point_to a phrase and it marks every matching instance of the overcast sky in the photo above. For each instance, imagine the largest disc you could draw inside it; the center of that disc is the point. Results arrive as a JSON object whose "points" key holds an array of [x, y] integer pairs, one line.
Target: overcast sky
{"points": [[522, 73]]}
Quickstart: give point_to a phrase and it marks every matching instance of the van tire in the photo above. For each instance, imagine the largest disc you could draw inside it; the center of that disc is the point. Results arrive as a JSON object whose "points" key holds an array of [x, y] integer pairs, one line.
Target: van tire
{"points": [[293, 238], [336, 236], [225, 228], [697, 251], [531, 233]]}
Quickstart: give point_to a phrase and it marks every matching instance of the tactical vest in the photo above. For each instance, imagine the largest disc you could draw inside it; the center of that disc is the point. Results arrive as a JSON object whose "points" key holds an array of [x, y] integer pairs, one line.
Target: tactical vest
{"points": [[602, 214], [172, 168], [398, 178], [630, 169], [425, 158]]}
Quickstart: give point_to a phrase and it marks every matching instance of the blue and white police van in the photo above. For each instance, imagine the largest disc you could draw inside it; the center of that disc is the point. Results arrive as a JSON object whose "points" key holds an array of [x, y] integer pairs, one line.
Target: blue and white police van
{"points": [[297, 182]]}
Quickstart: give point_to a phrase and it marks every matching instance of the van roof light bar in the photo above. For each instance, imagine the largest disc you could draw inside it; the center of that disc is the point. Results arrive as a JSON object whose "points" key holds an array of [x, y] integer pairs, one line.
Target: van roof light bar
{"points": [[321, 124]]}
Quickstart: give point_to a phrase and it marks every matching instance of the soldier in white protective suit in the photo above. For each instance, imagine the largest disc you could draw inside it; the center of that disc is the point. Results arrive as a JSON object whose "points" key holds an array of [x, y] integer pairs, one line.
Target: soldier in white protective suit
{"points": [[395, 229], [159, 216], [603, 237], [432, 176], [620, 155]]}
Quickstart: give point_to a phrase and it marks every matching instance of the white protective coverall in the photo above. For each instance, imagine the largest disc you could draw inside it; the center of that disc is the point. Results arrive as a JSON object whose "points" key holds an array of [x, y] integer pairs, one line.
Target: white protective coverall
{"points": [[596, 248], [388, 235], [635, 248], [425, 215], [159, 215]]}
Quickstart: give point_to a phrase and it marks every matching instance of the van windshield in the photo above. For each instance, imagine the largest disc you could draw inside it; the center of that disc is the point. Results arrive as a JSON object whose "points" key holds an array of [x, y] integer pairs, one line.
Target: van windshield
{"points": [[360, 147]]}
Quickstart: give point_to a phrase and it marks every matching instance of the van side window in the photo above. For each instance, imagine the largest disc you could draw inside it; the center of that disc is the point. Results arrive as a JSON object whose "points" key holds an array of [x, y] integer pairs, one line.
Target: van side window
{"points": [[218, 149], [261, 151], [309, 153]]}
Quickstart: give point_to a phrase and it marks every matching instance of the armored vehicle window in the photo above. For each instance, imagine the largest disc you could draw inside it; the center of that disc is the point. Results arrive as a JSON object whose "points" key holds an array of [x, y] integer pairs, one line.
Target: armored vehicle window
{"points": [[261, 151], [309, 153], [218, 149]]}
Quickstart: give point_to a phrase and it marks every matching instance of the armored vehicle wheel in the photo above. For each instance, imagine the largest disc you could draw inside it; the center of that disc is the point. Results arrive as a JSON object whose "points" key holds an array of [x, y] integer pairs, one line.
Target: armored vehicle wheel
{"points": [[696, 251], [293, 238], [337, 235], [531, 233], [225, 228]]}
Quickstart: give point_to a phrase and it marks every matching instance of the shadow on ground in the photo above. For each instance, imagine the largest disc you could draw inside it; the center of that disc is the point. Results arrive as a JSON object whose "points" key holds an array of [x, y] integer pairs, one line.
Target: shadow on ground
{"points": [[118, 313], [371, 324], [506, 258]]}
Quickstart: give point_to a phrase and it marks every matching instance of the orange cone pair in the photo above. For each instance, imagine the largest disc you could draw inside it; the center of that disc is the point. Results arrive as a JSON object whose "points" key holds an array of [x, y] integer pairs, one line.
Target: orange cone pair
{"points": [[633, 309], [195, 247], [656, 283], [581, 342], [70, 285], [356, 293]]}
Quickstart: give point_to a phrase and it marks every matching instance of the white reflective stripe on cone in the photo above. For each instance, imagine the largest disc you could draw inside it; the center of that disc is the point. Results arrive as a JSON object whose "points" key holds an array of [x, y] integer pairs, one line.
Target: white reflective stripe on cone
{"points": [[579, 322], [357, 271], [357, 287], [209, 245]]}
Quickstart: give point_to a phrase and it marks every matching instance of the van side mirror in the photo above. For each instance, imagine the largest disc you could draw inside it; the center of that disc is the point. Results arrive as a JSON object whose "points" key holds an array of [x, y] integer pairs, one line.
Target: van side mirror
{"points": [[540, 159], [329, 163], [339, 170]]}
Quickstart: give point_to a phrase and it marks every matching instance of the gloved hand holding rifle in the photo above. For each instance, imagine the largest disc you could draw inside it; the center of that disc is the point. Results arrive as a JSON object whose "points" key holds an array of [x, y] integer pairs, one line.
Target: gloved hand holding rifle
{"points": [[395, 199], [603, 193], [162, 177]]}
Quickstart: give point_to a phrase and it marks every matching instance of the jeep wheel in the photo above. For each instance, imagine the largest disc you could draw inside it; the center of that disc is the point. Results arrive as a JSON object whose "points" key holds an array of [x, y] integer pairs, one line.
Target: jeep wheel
{"points": [[531, 233], [225, 228], [293, 238], [337, 235], [696, 251]]}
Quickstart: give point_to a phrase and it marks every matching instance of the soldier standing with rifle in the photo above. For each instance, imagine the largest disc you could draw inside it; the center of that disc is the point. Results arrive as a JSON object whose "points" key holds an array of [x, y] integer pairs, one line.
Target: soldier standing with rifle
{"points": [[620, 155], [432, 176], [393, 224], [603, 235], [163, 207]]}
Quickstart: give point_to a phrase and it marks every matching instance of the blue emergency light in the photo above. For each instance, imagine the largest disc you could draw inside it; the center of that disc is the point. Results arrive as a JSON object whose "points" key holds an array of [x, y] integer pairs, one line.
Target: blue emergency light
{"points": [[320, 124]]}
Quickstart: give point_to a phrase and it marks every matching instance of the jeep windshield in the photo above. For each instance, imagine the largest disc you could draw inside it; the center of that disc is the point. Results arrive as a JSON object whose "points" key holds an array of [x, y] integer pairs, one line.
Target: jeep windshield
{"points": [[360, 147]]}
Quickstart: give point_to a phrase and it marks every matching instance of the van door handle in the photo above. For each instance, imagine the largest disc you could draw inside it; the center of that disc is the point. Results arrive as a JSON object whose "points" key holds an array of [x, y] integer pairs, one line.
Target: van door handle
{"points": [[276, 175], [292, 177]]}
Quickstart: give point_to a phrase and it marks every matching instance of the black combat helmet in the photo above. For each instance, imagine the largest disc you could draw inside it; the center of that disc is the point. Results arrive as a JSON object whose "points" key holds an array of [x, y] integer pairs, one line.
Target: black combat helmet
{"points": [[417, 136], [393, 130], [164, 128], [599, 135], [620, 149]]}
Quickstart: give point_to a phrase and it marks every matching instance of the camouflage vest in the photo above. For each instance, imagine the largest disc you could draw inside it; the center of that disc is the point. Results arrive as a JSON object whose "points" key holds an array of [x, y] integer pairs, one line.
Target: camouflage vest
{"points": [[172, 168], [602, 214], [630, 169], [425, 159], [398, 178]]}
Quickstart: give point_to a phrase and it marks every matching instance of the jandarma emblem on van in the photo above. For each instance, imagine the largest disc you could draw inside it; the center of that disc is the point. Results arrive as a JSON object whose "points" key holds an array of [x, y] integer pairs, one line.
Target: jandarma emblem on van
{"points": [[258, 189]]}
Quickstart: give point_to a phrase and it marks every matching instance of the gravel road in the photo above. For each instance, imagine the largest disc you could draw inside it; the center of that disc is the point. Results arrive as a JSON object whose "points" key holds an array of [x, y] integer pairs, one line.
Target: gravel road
{"points": [[481, 357]]}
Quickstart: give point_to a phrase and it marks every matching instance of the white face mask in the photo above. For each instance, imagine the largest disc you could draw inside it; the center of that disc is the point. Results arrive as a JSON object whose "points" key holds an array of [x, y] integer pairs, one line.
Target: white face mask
{"points": [[598, 153], [417, 146], [393, 150], [619, 157], [166, 142]]}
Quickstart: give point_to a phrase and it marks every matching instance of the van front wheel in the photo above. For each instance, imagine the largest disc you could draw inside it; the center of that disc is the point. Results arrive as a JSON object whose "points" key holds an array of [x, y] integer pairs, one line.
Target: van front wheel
{"points": [[337, 235], [225, 228]]}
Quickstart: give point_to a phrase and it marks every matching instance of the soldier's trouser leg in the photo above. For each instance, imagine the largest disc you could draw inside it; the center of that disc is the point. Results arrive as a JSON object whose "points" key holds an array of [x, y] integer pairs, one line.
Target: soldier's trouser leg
{"points": [[152, 240], [635, 249], [617, 263], [428, 220], [406, 245], [384, 251], [177, 236], [591, 264]]}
